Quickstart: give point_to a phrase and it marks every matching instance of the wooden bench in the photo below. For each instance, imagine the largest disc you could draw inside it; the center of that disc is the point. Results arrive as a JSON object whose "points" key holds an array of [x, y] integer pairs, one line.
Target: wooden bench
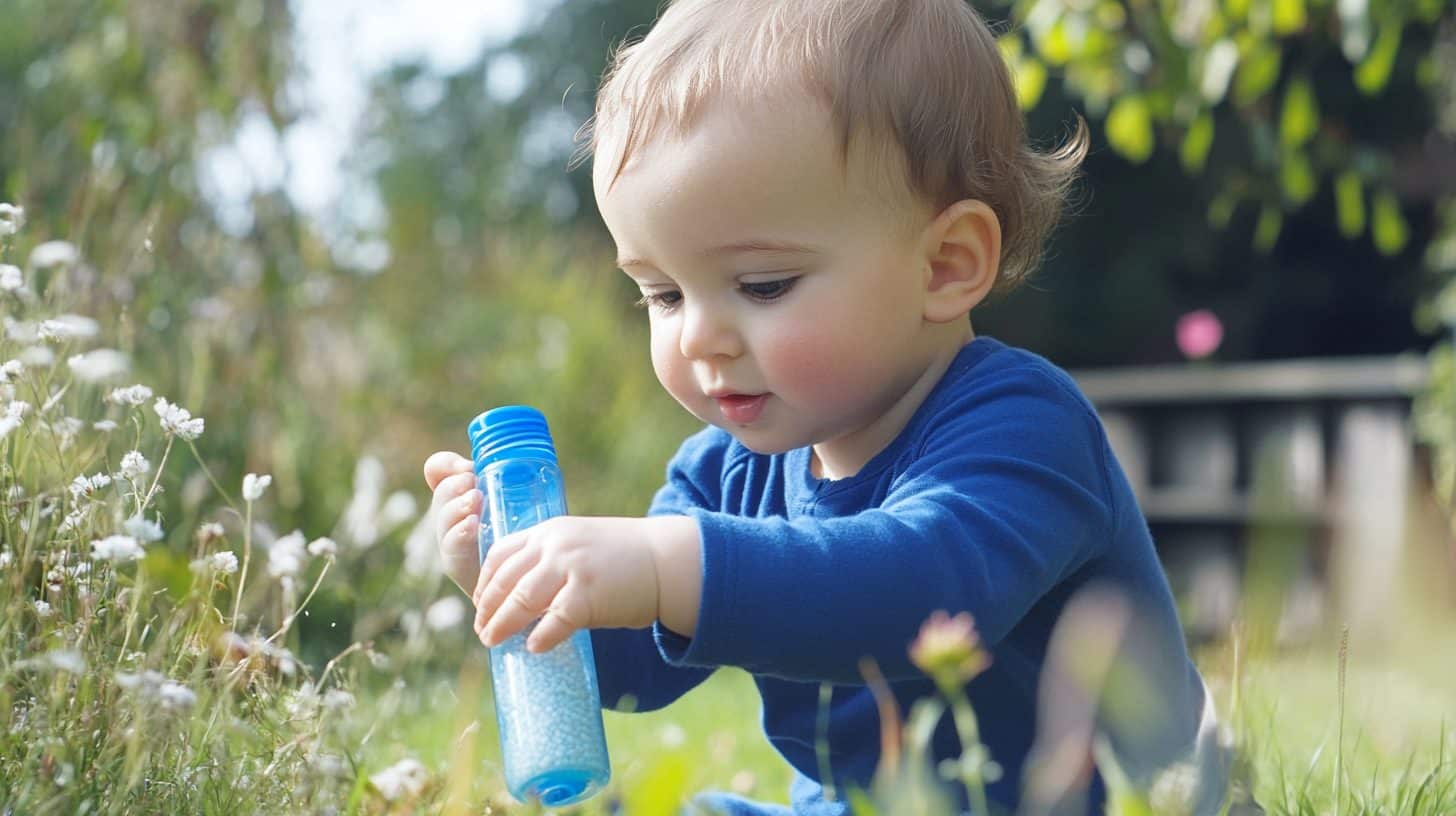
{"points": [[1279, 485]]}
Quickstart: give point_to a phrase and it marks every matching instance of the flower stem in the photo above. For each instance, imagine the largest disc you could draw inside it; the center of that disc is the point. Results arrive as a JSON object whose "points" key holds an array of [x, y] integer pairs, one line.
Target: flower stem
{"points": [[247, 556], [970, 735]]}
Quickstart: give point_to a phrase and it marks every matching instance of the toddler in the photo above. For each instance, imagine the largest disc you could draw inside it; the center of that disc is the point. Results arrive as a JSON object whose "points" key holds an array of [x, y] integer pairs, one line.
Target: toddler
{"points": [[812, 196]]}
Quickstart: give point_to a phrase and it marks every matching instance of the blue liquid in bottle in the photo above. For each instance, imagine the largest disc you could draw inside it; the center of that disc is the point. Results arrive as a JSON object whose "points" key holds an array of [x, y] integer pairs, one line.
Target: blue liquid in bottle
{"points": [[547, 706]]}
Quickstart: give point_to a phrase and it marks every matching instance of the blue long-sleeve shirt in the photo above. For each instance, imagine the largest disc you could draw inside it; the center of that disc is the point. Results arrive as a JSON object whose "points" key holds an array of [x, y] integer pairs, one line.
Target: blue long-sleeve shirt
{"points": [[1001, 497]]}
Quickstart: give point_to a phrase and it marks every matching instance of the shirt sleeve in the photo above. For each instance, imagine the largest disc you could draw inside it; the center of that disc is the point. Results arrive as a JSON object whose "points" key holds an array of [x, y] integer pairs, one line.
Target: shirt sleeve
{"points": [[631, 671], [1006, 496]]}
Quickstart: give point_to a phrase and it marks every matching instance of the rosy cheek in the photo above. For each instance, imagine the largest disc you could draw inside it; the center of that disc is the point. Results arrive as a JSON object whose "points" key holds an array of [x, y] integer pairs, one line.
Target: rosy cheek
{"points": [[807, 360], [672, 370]]}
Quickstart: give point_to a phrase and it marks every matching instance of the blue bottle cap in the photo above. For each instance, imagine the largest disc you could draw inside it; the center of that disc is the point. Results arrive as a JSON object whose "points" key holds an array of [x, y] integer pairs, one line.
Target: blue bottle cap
{"points": [[510, 432]]}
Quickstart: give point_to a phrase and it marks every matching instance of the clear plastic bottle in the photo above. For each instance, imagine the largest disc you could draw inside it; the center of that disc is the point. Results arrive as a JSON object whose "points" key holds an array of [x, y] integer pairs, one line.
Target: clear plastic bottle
{"points": [[547, 706]]}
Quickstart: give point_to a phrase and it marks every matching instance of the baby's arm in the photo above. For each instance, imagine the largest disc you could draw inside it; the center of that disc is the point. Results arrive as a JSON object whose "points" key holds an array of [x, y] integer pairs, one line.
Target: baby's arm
{"points": [[1006, 499]]}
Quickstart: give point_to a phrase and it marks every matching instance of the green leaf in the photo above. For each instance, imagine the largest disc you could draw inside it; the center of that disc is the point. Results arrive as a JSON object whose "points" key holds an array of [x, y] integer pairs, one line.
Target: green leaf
{"points": [[1055, 45], [1299, 119], [1289, 16], [1350, 204], [1372, 74], [1429, 11], [1257, 73], [1196, 143], [1266, 232], [1221, 210], [1387, 225], [1130, 129], [1030, 77], [1297, 178]]}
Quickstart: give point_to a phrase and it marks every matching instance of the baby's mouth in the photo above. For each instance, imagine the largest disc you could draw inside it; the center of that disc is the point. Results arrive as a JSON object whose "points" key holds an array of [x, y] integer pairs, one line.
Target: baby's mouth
{"points": [[741, 409]]}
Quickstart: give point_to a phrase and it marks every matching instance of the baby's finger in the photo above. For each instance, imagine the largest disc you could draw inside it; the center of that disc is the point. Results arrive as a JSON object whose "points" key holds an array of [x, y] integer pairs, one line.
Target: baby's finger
{"points": [[530, 598], [444, 505], [444, 463], [565, 615], [494, 586], [502, 550], [463, 536]]}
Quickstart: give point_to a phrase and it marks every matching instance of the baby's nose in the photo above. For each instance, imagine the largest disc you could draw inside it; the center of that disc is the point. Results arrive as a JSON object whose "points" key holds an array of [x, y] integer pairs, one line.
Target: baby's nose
{"points": [[707, 333]]}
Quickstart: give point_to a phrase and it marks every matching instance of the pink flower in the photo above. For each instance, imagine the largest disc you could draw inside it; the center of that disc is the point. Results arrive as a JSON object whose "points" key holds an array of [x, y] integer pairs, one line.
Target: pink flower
{"points": [[1199, 334]]}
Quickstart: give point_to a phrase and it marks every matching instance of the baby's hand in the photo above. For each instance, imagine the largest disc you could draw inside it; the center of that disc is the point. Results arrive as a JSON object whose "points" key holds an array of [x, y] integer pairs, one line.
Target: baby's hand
{"points": [[575, 572], [456, 507]]}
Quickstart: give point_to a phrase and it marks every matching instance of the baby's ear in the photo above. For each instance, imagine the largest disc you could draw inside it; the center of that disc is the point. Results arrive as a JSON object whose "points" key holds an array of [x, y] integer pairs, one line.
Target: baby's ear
{"points": [[962, 255]]}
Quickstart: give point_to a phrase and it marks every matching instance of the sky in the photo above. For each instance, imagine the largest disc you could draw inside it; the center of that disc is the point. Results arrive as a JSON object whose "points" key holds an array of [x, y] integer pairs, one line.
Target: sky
{"points": [[340, 45]]}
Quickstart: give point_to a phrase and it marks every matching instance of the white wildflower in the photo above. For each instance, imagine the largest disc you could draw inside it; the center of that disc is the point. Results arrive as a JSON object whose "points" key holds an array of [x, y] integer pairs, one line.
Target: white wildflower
{"points": [[254, 485], [85, 486], [175, 696], [209, 532], [37, 356], [134, 465], [99, 365], [398, 509], [54, 253], [10, 370], [224, 562], [73, 519], [421, 556], [403, 779], [21, 331], [303, 702], [14, 412], [153, 685], [360, 521], [130, 395], [286, 556], [143, 529], [65, 774], [43, 609], [6, 558], [12, 218], [323, 546], [10, 276], [147, 682], [67, 428], [330, 765], [177, 421], [338, 700], [69, 327], [66, 660], [104, 425], [116, 548], [445, 613]]}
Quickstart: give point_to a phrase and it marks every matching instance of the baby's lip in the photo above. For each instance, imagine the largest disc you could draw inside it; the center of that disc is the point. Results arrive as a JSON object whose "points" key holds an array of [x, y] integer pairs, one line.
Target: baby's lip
{"points": [[722, 394]]}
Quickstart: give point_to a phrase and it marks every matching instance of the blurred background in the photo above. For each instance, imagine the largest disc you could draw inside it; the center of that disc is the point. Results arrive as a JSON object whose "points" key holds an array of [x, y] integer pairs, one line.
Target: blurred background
{"points": [[339, 230]]}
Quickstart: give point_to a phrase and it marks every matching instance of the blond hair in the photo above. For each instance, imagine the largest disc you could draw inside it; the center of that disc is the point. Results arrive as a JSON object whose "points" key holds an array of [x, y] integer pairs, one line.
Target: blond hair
{"points": [[923, 76]]}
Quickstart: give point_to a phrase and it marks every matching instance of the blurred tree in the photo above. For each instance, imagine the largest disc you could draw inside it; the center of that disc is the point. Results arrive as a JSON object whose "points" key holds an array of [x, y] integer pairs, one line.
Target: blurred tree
{"points": [[1302, 131]]}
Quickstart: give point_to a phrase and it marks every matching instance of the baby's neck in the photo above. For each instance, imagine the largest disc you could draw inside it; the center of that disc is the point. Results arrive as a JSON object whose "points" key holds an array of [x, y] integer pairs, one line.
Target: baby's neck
{"points": [[839, 464]]}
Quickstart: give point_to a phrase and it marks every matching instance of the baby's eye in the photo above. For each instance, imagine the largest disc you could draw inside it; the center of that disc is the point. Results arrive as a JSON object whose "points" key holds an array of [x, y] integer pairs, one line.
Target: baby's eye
{"points": [[666, 300], [768, 290]]}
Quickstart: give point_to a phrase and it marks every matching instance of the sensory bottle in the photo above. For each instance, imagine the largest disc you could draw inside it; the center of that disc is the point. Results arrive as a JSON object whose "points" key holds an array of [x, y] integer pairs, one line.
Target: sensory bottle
{"points": [[547, 706]]}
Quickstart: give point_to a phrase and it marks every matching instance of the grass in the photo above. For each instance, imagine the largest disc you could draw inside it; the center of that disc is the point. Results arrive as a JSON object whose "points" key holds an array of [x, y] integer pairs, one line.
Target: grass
{"points": [[167, 683]]}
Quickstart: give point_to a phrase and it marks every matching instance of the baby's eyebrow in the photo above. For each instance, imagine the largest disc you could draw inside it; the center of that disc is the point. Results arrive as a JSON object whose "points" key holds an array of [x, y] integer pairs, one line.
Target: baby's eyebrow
{"points": [[739, 247], [762, 246]]}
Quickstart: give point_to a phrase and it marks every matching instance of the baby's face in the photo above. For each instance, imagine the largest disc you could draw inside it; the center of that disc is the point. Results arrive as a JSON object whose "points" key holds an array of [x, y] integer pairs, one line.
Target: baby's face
{"points": [[785, 294]]}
